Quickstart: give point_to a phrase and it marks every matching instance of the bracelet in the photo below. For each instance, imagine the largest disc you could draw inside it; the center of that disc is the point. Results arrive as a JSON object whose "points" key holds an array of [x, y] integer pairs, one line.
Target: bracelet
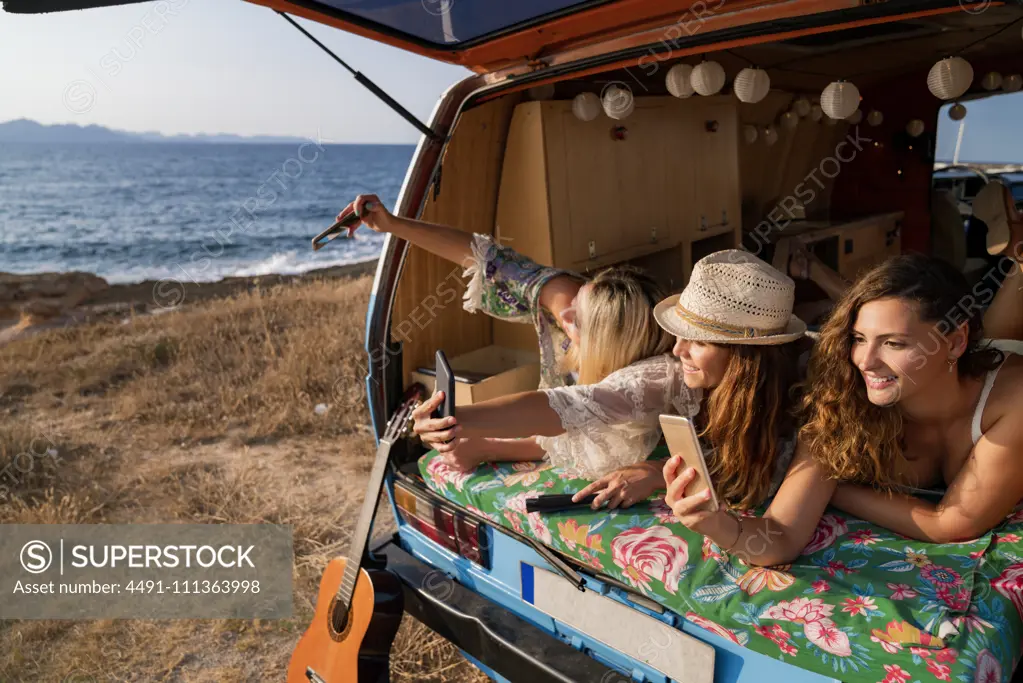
{"points": [[738, 533]]}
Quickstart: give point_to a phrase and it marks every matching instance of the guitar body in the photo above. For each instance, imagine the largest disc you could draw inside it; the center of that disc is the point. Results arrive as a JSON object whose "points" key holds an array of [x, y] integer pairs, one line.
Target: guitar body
{"points": [[360, 652]]}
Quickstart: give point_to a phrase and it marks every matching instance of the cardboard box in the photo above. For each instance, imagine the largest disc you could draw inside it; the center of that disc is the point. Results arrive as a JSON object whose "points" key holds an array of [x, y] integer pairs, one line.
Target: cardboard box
{"points": [[508, 371]]}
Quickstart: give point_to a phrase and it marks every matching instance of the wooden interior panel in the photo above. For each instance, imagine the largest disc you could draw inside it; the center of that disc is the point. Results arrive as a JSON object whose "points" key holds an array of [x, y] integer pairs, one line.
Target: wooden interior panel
{"points": [[426, 316]]}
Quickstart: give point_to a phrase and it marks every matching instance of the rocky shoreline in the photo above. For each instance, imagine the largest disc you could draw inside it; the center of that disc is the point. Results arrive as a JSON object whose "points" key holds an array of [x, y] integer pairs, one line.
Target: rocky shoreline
{"points": [[36, 302]]}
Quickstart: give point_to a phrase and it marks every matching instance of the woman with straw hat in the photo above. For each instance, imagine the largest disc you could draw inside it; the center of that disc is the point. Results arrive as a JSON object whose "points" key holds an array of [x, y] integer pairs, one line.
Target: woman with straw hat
{"points": [[740, 345]]}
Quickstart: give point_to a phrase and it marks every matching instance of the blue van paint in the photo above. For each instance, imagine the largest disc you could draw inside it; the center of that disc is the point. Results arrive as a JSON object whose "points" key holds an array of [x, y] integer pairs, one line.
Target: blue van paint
{"points": [[503, 586]]}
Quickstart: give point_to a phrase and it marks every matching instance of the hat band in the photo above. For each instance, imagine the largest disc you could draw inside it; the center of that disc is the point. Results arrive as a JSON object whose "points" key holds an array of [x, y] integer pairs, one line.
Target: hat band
{"points": [[737, 331]]}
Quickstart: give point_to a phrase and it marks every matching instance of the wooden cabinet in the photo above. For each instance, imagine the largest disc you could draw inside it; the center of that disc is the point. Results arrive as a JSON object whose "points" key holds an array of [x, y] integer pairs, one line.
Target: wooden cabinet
{"points": [[581, 195]]}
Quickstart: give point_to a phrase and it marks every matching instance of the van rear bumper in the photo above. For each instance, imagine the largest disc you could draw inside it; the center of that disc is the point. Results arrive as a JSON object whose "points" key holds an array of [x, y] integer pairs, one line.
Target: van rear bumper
{"points": [[497, 638]]}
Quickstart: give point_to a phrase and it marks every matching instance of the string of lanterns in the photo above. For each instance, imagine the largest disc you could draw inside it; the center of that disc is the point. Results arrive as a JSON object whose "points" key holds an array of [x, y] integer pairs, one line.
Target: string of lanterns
{"points": [[949, 79]]}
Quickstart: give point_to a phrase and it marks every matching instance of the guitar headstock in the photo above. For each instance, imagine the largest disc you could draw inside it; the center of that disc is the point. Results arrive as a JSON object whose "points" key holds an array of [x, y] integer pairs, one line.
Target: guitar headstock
{"points": [[400, 422]]}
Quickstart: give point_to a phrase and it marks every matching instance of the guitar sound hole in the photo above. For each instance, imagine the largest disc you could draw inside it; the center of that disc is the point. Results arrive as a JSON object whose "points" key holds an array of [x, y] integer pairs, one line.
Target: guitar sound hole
{"points": [[339, 620]]}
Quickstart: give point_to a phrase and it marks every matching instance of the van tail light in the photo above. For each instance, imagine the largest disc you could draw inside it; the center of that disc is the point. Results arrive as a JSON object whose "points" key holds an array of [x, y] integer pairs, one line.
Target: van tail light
{"points": [[453, 530]]}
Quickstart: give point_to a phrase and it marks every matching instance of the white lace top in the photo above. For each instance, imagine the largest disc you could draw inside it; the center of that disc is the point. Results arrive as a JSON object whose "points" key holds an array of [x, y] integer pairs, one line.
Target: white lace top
{"points": [[614, 423]]}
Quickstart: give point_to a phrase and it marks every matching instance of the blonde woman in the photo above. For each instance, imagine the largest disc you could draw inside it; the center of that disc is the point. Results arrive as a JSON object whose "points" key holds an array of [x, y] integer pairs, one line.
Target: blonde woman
{"points": [[606, 373]]}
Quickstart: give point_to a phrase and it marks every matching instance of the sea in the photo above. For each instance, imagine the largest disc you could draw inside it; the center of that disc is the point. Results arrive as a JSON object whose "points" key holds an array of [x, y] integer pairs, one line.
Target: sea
{"points": [[198, 212]]}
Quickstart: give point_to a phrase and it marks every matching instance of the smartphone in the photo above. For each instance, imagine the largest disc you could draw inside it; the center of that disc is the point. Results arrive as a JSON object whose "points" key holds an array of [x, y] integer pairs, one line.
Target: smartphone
{"points": [[681, 438], [445, 383], [339, 229], [555, 502]]}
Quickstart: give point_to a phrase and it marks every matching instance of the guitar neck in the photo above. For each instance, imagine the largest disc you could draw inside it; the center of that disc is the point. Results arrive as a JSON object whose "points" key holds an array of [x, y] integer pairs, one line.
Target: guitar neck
{"points": [[361, 537]]}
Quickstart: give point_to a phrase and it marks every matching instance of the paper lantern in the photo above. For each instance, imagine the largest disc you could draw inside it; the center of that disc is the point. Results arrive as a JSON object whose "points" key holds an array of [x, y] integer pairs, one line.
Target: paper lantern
{"points": [[750, 134], [801, 106], [816, 113], [1012, 83], [678, 80], [840, 99], [950, 78], [790, 120], [542, 92], [618, 102], [875, 117], [992, 80], [915, 128], [770, 135], [957, 112], [708, 78], [586, 106], [752, 85], [855, 117]]}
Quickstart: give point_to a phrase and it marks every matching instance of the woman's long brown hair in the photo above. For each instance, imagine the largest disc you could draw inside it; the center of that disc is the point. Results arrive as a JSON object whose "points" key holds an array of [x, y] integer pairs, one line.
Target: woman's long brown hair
{"points": [[853, 439], [748, 415]]}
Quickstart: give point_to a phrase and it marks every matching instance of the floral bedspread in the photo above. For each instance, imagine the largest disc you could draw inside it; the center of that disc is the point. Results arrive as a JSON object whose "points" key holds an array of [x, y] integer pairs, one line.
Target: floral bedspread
{"points": [[862, 603]]}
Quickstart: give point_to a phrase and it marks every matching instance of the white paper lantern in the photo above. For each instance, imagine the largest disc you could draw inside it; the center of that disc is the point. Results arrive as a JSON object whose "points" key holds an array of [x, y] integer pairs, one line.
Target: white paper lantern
{"points": [[875, 117], [790, 120], [770, 135], [752, 85], [618, 102], [840, 99], [801, 106], [678, 80], [750, 134], [855, 117], [816, 113], [586, 106], [542, 92], [915, 128], [992, 80], [708, 78], [950, 78], [1012, 83], [957, 112]]}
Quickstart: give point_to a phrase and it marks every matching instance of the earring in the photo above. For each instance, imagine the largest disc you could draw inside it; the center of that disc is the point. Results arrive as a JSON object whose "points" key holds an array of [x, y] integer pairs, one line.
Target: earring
{"points": [[951, 363]]}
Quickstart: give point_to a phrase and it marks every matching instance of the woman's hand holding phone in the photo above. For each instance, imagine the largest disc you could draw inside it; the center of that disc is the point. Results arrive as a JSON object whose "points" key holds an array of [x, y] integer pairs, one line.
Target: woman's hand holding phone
{"points": [[436, 432], [624, 487], [694, 511], [370, 211]]}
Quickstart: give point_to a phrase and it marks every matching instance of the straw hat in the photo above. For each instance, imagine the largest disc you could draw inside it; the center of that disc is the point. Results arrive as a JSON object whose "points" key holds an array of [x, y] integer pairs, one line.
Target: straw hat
{"points": [[733, 298]]}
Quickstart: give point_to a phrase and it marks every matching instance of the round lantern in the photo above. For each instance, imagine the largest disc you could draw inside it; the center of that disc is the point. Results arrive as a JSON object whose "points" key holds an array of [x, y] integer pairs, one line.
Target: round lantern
{"points": [[1012, 83], [915, 128], [750, 134], [770, 135], [586, 106], [855, 117], [875, 117], [950, 78], [957, 112], [801, 106], [816, 113], [708, 78], [992, 80], [678, 80], [840, 99], [790, 120], [752, 85], [618, 102]]}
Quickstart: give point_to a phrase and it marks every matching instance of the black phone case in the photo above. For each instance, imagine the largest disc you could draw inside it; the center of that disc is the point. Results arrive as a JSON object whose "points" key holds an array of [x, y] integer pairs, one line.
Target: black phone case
{"points": [[445, 383], [557, 501]]}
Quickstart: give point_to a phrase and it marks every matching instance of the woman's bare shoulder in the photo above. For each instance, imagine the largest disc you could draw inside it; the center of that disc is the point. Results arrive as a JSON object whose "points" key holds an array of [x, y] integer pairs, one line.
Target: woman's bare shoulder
{"points": [[1006, 397]]}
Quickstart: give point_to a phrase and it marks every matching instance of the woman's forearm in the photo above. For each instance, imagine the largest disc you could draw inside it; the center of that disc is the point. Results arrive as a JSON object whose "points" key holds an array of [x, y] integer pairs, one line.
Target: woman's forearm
{"points": [[907, 515], [512, 450], [449, 243], [518, 415]]}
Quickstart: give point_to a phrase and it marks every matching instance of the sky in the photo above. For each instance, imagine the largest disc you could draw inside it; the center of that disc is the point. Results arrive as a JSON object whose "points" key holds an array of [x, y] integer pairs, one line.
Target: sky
{"points": [[226, 66], [213, 66]]}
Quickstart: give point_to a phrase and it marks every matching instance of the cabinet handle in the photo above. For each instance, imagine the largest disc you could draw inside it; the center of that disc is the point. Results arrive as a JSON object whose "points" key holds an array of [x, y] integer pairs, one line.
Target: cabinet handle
{"points": [[703, 224], [592, 249]]}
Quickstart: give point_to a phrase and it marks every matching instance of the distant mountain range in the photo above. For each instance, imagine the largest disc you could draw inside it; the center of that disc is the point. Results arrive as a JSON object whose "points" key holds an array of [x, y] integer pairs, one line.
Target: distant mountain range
{"points": [[25, 130]]}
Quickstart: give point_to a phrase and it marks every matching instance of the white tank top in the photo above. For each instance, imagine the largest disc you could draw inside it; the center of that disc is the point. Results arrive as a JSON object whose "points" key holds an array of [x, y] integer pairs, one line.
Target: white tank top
{"points": [[1006, 346]]}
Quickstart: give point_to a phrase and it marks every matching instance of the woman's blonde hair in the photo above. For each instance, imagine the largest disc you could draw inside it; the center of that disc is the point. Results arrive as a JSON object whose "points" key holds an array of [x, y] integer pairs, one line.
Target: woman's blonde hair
{"points": [[853, 439], [617, 324], [748, 415]]}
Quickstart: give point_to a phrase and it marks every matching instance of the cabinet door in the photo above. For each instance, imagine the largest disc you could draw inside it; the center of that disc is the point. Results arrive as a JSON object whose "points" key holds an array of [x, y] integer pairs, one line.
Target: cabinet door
{"points": [[718, 201], [608, 195]]}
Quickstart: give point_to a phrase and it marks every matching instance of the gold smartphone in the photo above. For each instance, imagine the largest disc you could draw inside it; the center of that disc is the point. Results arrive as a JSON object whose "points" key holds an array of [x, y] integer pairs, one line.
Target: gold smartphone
{"points": [[681, 438]]}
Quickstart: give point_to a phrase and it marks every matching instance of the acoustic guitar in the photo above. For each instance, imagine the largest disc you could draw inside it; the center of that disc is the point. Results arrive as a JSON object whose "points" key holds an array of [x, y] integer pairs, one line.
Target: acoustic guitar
{"points": [[357, 611]]}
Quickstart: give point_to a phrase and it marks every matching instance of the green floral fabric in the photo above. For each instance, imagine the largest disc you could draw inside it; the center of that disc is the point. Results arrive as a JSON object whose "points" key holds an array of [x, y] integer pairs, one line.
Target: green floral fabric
{"points": [[861, 603]]}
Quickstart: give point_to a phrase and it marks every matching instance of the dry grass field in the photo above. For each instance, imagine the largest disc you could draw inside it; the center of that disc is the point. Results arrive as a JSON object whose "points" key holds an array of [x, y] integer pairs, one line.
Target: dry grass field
{"points": [[204, 414]]}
